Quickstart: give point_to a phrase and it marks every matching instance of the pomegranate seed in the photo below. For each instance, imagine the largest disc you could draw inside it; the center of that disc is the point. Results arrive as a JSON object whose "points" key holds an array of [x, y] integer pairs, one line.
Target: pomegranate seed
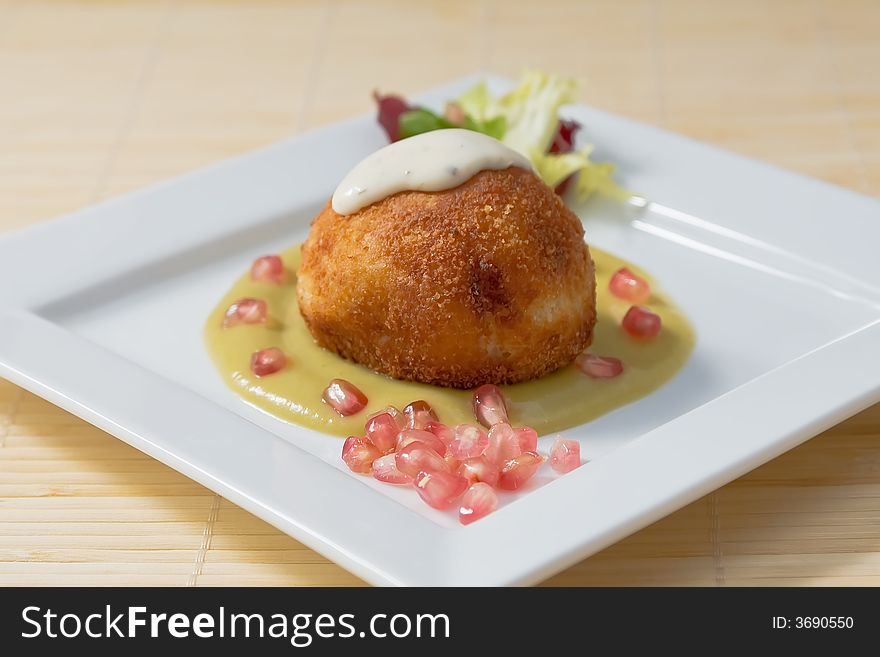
{"points": [[479, 469], [565, 455], [444, 433], [382, 430], [246, 311], [527, 439], [626, 285], [418, 414], [268, 269], [408, 436], [418, 457], [490, 407], [469, 442], [641, 323], [451, 462], [503, 444], [344, 397], [385, 469], [268, 361], [480, 500], [359, 454], [516, 472], [440, 489], [599, 367], [393, 412]]}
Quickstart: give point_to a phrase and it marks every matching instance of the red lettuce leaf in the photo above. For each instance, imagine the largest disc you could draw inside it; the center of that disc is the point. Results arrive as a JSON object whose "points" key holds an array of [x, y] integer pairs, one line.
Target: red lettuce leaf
{"points": [[391, 107], [563, 142]]}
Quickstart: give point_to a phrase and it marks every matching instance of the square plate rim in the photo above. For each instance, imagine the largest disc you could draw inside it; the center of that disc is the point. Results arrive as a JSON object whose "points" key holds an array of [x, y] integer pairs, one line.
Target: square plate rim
{"points": [[577, 532]]}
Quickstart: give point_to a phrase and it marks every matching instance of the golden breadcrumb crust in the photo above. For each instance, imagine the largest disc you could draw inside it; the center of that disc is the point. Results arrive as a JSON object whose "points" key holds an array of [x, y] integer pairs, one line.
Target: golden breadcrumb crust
{"points": [[488, 282]]}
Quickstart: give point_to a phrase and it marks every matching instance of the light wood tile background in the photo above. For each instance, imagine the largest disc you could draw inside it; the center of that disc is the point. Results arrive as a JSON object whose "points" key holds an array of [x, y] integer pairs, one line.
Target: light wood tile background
{"points": [[99, 98]]}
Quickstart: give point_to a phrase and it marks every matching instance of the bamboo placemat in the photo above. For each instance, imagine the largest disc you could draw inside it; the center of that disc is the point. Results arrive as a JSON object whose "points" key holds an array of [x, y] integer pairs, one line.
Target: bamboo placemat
{"points": [[100, 98]]}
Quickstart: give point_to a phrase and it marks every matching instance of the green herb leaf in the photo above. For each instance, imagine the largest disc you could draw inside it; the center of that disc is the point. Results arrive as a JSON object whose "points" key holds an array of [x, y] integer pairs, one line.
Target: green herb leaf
{"points": [[493, 127], [417, 121]]}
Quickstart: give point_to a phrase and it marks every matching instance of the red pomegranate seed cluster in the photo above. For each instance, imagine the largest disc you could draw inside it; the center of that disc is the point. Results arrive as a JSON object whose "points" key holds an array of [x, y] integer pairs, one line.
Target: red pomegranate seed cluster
{"points": [[447, 466], [268, 269], [638, 322]]}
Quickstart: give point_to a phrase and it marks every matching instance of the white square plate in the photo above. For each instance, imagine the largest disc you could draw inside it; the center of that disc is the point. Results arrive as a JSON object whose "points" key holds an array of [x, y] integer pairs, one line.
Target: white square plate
{"points": [[101, 312]]}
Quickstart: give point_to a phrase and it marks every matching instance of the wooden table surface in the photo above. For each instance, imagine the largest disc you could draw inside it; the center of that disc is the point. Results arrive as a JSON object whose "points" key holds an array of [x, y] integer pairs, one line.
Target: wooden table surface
{"points": [[99, 98]]}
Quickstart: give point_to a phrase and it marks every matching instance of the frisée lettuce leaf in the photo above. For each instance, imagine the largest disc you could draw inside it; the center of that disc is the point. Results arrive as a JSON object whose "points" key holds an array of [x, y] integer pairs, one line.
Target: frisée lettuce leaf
{"points": [[531, 115]]}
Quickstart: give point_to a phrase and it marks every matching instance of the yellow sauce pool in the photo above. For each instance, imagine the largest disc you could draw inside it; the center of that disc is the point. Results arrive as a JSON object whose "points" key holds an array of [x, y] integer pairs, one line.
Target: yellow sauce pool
{"points": [[553, 403]]}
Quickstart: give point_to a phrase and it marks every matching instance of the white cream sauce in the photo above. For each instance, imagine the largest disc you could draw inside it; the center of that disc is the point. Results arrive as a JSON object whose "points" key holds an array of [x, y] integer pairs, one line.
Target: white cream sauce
{"points": [[430, 162]]}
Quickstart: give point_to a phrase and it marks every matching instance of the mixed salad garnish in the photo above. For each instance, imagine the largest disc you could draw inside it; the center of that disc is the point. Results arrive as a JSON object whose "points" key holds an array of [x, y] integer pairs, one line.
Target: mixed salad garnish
{"points": [[525, 119]]}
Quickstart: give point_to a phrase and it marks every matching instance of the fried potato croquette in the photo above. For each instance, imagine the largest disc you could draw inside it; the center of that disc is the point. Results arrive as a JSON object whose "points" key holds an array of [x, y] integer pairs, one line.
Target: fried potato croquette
{"points": [[487, 282]]}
